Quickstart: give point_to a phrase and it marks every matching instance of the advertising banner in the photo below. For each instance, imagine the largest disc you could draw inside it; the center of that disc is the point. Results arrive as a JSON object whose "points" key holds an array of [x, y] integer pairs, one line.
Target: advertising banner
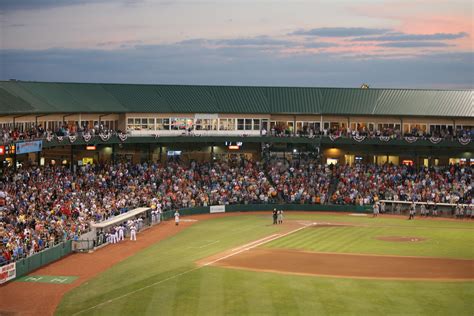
{"points": [[29, 147], [217, 209], [7, 273]]}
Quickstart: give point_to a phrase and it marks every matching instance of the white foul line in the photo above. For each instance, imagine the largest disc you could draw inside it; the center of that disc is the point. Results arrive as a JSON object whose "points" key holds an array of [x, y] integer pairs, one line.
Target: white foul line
{"points": [[193, 269], [254, 242], [205, 245]]}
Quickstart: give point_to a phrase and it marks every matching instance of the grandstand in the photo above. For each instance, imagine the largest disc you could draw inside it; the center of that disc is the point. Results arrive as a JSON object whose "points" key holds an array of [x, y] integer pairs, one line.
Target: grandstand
{"points": [[81, 123]]}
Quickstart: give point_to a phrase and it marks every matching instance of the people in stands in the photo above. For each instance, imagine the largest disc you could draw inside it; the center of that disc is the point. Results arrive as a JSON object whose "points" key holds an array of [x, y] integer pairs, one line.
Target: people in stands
{"points": [[41, 206]]}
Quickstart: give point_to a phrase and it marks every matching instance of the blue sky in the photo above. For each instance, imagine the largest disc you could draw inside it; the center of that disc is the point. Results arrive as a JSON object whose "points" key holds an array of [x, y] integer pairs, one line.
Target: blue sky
{"points": [[338, 43]]}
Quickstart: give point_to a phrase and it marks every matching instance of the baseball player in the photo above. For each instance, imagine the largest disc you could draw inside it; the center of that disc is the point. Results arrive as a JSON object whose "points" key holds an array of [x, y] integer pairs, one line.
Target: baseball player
{"points": [[422, 210], [280, 217], [121, 232], [158, 212], [153, 216], [133, 232], [116, 228], [176, 218], [412, 210], [275, 216], [435, 210], [112, 236], [376, 209]]}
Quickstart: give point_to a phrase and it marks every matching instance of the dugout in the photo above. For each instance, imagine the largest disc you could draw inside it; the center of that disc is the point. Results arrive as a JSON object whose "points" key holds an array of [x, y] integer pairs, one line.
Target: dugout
{"points": [[96, 237]]}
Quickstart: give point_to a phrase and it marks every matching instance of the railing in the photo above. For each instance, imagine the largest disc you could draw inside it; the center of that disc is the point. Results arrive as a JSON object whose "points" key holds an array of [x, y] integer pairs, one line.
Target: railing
{"points": [[442, 209], [253, 133]]}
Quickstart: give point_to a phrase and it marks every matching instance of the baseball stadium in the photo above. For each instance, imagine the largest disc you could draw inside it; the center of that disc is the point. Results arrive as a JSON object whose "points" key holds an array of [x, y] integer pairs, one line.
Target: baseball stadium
{"points": [[121, 199]]}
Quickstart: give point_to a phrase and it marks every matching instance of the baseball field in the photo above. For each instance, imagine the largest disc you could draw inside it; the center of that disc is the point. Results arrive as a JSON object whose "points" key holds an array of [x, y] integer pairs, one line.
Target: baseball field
{"points": [[242, 264]]}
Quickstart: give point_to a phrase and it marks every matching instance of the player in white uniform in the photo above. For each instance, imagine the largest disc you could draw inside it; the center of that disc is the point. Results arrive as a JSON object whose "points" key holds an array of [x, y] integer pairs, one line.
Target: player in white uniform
{"points": [[176, 218], [120, 231], [116, 234], [133, 232], [158, 212], [376, 209], [280, 216], [140, 223]]}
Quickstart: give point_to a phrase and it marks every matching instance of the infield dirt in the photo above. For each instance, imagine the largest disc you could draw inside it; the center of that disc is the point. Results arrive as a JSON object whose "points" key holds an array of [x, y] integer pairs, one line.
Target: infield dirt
{"points": [[351, 265], [23, 298]]}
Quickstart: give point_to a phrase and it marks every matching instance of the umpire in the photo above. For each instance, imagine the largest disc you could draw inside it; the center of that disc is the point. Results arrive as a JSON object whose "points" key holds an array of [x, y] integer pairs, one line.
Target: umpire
{"points": [[275, 216]]}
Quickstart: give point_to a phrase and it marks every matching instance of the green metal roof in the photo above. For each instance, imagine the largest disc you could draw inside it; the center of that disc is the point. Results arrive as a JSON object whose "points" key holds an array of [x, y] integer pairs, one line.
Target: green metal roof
{"points": [[20, 97]]}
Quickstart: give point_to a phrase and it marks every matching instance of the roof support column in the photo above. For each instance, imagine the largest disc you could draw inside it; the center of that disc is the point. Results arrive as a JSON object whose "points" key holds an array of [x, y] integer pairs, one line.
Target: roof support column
{"points": [[402, 132], [100, 119], [14, 119], [294, 125], [36, 119]]}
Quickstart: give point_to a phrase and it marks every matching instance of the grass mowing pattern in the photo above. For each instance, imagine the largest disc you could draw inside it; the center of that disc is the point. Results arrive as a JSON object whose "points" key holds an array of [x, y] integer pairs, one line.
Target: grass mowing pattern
{"points": [[218, 291], [448, 243]]}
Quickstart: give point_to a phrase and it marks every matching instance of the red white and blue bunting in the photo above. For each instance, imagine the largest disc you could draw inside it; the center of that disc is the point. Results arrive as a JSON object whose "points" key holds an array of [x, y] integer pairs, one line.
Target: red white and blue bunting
{"points": [[122, 137], [384, 138], [87, 137], [49, 137], [358, 138], [411, 139], [60, 138], [334, 137], [72, 138], [435, 140], [464, 140], [104, 137]]}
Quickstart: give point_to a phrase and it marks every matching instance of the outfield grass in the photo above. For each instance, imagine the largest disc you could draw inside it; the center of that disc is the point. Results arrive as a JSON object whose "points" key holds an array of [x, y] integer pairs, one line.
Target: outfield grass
{"points": [[218, 291]]}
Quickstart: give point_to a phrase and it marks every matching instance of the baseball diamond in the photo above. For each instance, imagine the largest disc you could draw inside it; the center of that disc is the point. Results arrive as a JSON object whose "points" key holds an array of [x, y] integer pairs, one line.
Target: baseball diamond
{"points": [[329, 257]]}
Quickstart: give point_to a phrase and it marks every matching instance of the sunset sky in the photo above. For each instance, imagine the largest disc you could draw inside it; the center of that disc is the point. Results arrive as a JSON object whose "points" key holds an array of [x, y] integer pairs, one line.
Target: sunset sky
{"points": [[336, 43]]}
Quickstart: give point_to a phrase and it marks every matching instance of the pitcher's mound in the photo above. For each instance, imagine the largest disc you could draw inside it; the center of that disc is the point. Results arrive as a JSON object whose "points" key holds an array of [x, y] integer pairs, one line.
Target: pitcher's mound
{"points": [[400, 238]]}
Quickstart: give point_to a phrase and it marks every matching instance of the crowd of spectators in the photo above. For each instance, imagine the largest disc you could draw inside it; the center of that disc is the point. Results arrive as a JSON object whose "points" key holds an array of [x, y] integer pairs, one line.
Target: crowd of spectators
{"points": [[366, 184], [9, 135], [392, 133], [40, 206]]}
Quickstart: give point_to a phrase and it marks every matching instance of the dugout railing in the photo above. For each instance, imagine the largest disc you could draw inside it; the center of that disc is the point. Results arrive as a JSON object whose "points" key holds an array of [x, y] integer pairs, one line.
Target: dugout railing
{"points": [[443, 209]]}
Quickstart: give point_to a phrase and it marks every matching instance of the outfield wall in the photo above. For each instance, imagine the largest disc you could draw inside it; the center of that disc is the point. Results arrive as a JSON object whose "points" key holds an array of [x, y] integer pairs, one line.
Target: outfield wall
{"points": [[33, 262], [268, 207]]}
